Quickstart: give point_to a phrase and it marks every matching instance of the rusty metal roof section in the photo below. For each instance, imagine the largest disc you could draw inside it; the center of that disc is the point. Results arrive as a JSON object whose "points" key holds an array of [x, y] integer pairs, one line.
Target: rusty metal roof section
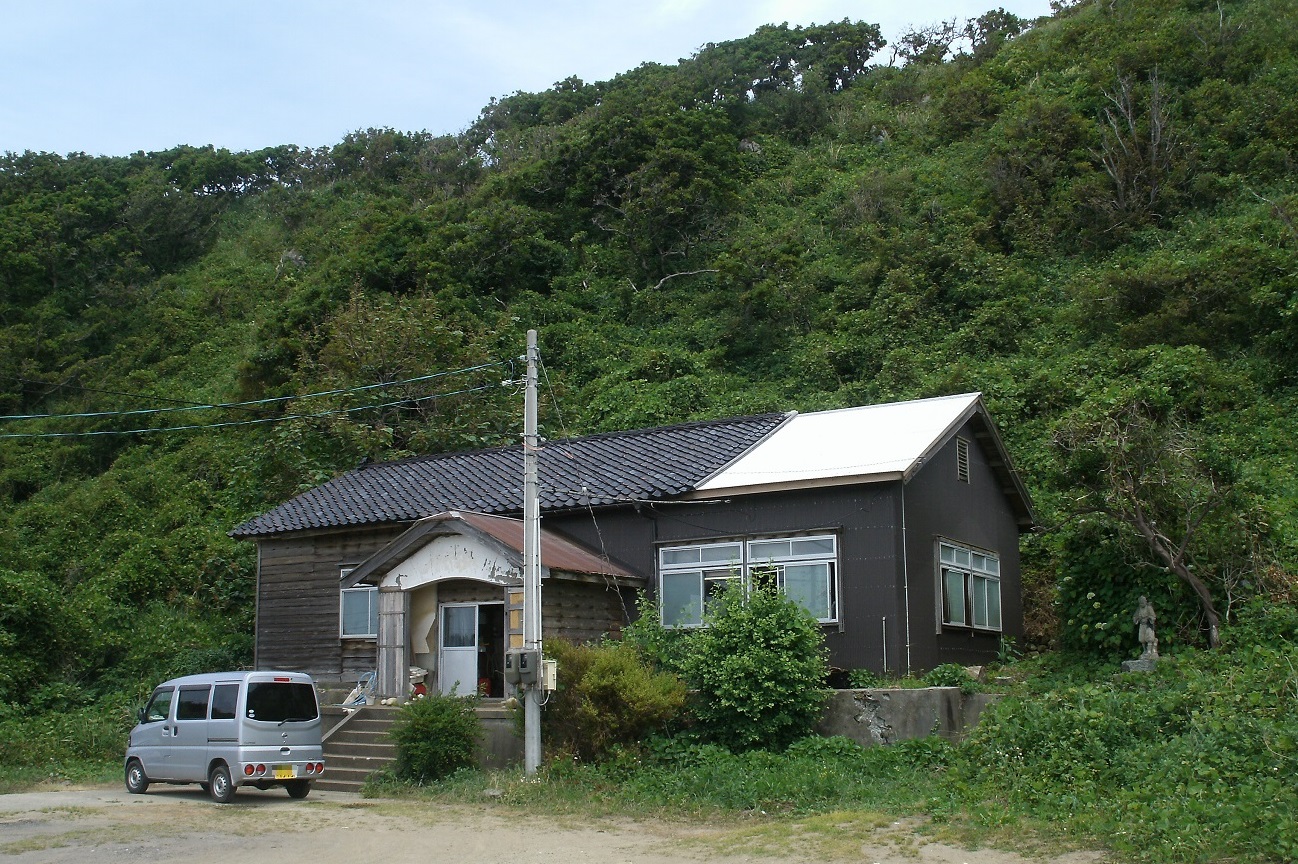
{"points": [[559, 555], [590, 471]]}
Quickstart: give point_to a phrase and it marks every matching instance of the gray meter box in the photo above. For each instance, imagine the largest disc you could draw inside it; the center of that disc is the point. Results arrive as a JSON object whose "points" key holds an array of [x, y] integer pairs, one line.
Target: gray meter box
{"points": [[522, 665]]}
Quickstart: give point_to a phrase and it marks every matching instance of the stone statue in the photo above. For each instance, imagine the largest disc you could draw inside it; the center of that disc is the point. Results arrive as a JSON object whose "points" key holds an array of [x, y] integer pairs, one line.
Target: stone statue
{"points": [[1144, 621]]}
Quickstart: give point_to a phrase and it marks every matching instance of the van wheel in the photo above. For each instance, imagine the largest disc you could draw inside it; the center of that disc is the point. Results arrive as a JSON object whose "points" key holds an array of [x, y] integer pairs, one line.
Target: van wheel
{"points": [[298, 788], [221, 788], [137, 782]]}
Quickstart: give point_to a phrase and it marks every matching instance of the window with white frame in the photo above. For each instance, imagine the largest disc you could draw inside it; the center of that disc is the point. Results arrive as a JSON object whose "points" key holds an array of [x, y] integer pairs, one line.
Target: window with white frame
{"points": [[970, 587], [360, 613], [805, 568]]}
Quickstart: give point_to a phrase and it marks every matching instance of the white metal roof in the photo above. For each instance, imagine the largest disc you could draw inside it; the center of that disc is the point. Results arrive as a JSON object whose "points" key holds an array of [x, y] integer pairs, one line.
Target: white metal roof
{"points": [[850, 445]]}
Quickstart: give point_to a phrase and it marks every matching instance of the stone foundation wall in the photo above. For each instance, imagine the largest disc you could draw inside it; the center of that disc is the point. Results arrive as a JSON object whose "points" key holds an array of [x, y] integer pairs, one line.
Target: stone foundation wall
{"points": [[883, 716]]}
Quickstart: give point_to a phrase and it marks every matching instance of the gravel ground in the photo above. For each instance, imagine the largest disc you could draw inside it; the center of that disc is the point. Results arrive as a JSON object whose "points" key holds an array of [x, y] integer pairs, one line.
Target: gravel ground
{"points": [[106, 825]]}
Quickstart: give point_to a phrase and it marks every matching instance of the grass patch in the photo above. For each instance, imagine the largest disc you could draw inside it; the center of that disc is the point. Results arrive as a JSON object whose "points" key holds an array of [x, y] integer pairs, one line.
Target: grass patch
{"points": [[818, 775], [52, 776], [825, 836], [89, 836]]}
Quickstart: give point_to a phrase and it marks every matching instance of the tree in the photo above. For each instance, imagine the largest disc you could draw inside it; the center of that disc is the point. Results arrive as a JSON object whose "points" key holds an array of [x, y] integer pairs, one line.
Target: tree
{"points": [[826, 57], [927, 46], [1140, 148], [1145, 467], [989, 31]]}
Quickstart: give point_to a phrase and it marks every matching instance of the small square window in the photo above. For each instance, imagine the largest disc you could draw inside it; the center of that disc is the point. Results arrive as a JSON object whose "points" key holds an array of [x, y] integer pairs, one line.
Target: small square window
{"points": [[360, 613]]}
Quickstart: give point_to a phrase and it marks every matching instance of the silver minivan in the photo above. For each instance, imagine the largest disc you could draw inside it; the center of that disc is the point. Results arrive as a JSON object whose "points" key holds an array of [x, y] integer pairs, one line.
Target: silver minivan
{"points": [[229, 729]]}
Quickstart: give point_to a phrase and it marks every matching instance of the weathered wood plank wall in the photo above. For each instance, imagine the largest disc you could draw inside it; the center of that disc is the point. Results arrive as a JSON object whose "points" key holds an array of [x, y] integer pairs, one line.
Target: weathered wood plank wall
{"points": [[298, 603]]}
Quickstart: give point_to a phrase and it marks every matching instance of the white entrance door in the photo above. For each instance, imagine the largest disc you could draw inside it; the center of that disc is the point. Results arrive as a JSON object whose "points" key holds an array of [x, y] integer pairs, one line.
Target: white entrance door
{"points": [[458, 669]]}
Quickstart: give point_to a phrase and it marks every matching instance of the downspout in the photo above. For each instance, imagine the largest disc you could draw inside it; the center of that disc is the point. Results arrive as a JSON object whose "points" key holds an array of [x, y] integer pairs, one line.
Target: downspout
{"points": [[905, 574], [256, 614], [885, 646]]}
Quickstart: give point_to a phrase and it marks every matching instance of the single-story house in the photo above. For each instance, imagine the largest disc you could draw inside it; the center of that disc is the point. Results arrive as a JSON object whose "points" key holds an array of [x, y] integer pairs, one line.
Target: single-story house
{"points": [[896, 525]]}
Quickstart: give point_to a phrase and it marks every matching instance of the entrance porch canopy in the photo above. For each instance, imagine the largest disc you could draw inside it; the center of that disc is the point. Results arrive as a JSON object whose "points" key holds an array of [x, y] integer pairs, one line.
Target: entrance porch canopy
{"points": [[462, 545]]}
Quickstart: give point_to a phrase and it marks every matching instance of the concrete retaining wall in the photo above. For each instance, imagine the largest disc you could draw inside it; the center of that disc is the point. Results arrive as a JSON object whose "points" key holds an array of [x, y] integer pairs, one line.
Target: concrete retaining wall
{"points": [[883, 716], [502, 746], [868, 717]]}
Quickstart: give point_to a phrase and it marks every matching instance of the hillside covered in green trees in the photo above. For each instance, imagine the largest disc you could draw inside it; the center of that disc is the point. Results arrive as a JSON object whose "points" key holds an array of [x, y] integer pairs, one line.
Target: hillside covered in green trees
{"points": [[1090, 219]]}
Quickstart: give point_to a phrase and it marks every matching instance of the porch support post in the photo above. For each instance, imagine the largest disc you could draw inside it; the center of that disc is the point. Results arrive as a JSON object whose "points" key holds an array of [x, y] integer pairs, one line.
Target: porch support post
{"points": [[393, 669]]}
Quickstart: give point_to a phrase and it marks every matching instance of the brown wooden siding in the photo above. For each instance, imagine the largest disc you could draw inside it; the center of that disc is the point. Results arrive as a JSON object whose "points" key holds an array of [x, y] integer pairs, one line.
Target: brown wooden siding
{"points": [[465, 591], [358, 657], [582, 612], [298, 603]]}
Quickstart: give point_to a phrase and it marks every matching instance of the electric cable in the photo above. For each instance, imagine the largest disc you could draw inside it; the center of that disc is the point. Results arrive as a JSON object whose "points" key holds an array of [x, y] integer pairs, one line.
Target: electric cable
{"points": [[85, 389], [609, 585], [261, 420], [198, 406]]}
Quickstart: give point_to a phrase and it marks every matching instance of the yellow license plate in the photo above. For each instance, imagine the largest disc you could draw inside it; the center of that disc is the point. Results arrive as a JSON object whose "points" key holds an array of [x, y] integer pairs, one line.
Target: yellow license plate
{"points": [[283, 772]]}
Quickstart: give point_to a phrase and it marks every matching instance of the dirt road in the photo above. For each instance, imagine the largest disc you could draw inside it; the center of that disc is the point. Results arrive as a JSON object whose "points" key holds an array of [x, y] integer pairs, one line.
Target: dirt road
{"points": [[108, 826]]}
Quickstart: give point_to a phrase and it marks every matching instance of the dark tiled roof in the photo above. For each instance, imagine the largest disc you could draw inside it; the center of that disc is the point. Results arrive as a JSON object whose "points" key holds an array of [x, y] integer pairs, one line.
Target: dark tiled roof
{"points": [[595, 470]]}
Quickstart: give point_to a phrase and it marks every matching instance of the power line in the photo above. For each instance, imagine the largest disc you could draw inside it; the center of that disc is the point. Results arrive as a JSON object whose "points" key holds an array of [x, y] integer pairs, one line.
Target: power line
{"points": [[609, 585], [85, 389], [554, 398], [198, 406], [199, 426]]}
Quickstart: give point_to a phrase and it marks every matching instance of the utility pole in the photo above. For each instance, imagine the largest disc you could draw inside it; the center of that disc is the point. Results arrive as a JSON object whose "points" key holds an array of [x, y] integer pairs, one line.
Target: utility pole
{"points": [[531, 565]]}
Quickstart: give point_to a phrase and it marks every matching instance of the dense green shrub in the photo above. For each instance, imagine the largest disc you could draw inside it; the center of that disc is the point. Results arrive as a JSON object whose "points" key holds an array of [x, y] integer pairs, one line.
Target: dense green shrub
{"points": [[665, 649], [759, 670], [813, 774], [67, 736], [35, 626], [435, 737], [950, 675], [608, 698], [864, 679], [1210, 740]]}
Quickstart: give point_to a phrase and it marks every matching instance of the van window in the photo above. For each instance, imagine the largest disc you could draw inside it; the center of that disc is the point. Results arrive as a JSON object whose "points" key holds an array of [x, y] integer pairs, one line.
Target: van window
{"points": [[224, 700], [159, 706], [193, 703], [277, 701]]}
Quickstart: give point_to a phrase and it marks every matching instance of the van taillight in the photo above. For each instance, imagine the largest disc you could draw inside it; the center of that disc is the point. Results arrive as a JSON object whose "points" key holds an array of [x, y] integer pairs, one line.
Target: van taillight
{"points": [[279, 680], [247, 770], [319, 767]]}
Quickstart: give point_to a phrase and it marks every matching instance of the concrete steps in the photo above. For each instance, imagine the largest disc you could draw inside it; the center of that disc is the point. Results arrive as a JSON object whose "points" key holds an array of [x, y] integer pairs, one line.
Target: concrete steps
{"points": [[356, 743], [356, 747]]}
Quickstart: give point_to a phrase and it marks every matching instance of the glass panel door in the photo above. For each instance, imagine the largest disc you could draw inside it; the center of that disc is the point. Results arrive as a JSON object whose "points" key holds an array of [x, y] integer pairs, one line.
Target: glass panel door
{"points": [[459, 650]]}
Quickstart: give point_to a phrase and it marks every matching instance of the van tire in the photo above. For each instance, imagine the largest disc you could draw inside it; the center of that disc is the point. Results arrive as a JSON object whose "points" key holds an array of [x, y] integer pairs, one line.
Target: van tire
{"points": [[221, 786], [298, 788], [137, 782]]}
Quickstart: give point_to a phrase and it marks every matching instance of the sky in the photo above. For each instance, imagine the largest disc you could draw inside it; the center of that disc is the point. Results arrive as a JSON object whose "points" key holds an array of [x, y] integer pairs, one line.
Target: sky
{"points": [[113, 78]]}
